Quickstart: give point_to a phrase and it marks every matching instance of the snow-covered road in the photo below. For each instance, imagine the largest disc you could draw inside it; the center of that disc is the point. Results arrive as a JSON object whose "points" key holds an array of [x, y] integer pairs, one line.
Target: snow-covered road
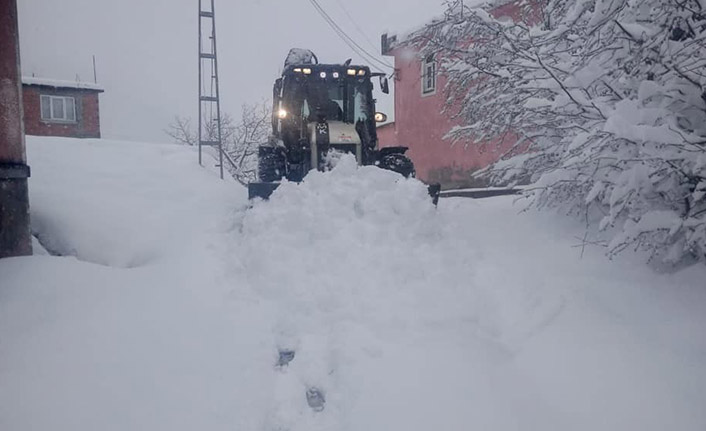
{"points": [[174, 299]]}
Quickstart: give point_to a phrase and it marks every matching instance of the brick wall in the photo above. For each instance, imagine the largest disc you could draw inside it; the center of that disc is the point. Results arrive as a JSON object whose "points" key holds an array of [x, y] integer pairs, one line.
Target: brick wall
{"points": [[87, 123]]}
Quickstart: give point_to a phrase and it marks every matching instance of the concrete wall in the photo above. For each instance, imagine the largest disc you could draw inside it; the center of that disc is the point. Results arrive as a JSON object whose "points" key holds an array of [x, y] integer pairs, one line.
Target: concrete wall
{"points": [[87, 123]]}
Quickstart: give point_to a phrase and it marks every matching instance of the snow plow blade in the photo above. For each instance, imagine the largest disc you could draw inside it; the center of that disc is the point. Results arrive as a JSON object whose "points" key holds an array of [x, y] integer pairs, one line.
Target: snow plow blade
{"points": [[261, 190], [265, 190]]}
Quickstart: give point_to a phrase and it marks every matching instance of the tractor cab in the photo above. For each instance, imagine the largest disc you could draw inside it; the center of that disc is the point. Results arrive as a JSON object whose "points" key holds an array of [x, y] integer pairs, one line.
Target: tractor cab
{"points": [[318, 108]]}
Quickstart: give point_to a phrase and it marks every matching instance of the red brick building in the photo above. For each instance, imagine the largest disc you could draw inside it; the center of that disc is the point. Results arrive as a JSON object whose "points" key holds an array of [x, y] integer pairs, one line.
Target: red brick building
{"points": [[422, 118], [61, 108]]}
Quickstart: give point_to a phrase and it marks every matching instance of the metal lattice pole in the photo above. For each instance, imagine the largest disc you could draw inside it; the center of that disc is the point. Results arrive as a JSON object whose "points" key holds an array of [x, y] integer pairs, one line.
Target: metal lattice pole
{"points": [[209, 95]]}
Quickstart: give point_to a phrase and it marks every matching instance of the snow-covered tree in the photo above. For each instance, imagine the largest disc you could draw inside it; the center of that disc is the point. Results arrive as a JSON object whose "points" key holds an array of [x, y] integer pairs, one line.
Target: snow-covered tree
{"points": [[253, 130], [240, 139], [180, 131], [607, 98]]}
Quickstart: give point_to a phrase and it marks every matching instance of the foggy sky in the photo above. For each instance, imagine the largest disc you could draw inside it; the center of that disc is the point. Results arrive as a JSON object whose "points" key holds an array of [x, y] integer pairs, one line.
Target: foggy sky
{"points": [[146, 49]]}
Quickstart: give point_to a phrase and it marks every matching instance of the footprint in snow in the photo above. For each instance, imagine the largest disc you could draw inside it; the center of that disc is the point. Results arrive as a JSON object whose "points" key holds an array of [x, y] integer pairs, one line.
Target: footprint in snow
{"points": [[315, 398]]}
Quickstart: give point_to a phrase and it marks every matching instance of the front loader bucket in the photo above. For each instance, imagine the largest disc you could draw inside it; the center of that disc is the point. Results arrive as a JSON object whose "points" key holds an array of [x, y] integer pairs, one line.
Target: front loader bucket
{"points": [[265, 190], [261, 190]]}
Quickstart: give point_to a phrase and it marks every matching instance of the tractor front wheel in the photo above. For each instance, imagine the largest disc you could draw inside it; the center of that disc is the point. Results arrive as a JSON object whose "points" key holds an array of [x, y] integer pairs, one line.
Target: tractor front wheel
{"points": [[271, 164]]}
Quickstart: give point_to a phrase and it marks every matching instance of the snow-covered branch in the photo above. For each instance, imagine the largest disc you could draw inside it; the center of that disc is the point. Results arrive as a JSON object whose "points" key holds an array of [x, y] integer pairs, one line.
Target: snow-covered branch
{"points": [[607, 99]]}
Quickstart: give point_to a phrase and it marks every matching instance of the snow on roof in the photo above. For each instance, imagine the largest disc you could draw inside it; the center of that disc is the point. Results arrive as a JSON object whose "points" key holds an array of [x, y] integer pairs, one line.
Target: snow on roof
{"points": [[80, 85], [402, 36]]}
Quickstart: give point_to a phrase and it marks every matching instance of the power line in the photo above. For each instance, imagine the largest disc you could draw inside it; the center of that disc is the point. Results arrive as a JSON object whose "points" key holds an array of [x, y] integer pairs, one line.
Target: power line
{"points": [[355, 24], [347, 39], [341, 34]]}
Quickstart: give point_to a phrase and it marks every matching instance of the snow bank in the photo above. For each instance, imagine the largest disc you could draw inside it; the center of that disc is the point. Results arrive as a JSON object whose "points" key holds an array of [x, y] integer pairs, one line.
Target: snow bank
{"points": [[121, 203], [344, 242], [405, 316], [147, 339]]}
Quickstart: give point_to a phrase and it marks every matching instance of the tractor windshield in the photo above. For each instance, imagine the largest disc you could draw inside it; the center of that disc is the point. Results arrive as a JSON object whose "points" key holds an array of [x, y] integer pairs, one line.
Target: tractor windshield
{"points": [[346, 99], [360, 101]]}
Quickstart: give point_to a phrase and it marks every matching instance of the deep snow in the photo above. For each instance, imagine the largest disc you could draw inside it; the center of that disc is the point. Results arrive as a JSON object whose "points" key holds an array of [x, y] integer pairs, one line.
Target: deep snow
{"points": [[173, 298]]}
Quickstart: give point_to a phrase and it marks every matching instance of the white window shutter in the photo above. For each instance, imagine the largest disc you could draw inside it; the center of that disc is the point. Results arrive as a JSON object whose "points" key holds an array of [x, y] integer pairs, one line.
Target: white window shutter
{"points": [[45, 105]]}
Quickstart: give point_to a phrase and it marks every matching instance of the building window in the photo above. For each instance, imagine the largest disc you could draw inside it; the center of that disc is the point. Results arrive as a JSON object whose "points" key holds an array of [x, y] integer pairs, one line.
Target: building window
{"points": [[58, 108], [429, 75]]}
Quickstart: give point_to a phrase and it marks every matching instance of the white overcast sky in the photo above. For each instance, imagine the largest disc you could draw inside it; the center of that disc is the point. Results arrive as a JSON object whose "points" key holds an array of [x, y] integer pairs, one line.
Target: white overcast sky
{"points": [[146, 49]]}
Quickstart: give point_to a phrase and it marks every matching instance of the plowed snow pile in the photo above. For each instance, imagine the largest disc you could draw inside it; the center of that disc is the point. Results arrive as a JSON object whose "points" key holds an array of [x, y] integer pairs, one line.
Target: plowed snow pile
{"points": [[174, 299], [357, 266], [358, 240], [341, 239]]}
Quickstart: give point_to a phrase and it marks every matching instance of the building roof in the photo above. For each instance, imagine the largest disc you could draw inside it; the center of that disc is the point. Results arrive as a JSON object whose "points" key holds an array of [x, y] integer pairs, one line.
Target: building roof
{"points": [[394, 39], [55, 83]]}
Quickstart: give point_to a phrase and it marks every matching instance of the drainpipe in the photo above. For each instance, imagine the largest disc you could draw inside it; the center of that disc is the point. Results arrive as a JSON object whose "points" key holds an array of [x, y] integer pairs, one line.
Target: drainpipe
{"points": [[15, 237]]}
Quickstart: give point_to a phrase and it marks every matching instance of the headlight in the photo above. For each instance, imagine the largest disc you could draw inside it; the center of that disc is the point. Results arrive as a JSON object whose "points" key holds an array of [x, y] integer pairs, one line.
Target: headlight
{"points": [[361, 72], [380, 117], [351, 72], [298, 69], [282, 114], [306, 71]]}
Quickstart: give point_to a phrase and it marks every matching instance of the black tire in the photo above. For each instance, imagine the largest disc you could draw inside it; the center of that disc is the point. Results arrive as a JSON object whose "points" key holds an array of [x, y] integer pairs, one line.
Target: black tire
{"points": [[270, 164], [398, 163]]}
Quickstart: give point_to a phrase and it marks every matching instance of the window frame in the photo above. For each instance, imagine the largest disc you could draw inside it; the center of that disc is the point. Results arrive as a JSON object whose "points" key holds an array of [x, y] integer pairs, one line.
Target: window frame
{"points": [[429, 62], [50, 99]]}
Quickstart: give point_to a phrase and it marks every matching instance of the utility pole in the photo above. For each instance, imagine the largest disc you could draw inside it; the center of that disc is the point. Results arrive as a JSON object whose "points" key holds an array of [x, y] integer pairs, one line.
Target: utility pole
{"points": [[209, 90], [15, 238], [95, 74]]}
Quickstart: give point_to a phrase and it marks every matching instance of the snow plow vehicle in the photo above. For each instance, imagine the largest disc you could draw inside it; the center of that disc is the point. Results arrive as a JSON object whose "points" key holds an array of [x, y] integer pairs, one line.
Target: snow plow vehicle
{"points": [[318, 108]]}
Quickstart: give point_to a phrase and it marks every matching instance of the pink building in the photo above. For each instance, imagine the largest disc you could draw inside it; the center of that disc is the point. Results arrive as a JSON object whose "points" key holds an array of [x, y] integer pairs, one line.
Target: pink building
{"points": [[420, 120]]}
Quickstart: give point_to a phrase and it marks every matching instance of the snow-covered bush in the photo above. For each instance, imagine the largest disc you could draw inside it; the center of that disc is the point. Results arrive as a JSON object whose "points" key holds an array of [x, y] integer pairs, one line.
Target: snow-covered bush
{"points": [[608, 100]]}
